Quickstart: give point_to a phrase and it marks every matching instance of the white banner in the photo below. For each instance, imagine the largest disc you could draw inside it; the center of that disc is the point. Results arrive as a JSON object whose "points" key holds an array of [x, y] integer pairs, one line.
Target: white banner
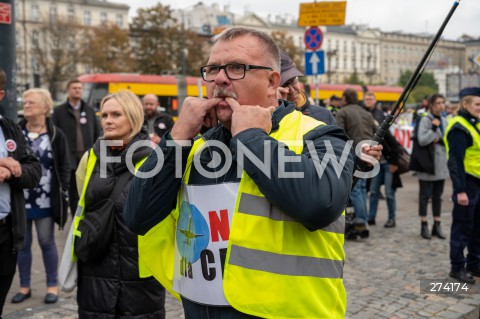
{"points": [[403, 134], [201, 241]]}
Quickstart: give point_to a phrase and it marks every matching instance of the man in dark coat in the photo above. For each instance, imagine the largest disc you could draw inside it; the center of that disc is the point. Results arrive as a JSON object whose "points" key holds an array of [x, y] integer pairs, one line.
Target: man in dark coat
{"points": [[19, 169], [156, 122], [80, 125], [388, 167]]}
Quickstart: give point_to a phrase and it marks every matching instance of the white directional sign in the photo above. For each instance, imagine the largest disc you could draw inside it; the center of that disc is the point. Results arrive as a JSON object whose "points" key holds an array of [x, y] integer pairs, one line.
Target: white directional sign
{"points": [[314, 63]]}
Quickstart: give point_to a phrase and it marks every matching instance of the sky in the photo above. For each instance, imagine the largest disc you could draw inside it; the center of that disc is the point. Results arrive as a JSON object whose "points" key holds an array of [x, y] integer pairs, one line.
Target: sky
{"points": [[412, 16]]}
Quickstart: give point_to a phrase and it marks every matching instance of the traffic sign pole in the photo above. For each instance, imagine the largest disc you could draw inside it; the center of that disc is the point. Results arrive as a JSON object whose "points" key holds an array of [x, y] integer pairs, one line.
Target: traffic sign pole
{"points": [[7, 57]]}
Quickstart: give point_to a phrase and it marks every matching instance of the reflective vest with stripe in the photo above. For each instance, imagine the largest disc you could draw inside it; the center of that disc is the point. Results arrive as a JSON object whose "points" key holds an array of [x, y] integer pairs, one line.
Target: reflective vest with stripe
{"points": [[472, 154], [80, 213], [275, 267]]}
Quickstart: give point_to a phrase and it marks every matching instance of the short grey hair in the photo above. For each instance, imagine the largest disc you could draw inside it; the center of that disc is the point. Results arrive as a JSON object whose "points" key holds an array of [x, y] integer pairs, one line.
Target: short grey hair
{"points": [[272, 50], [44, 95]]}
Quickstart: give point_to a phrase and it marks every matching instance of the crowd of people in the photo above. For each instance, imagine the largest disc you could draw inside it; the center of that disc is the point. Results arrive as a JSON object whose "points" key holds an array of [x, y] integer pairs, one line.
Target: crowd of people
{"points": [[221, 215]]}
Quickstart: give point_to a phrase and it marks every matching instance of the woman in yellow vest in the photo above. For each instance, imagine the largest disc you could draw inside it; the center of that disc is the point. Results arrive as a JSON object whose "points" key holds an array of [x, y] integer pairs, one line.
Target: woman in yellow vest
{"points": [[109, 286], [462, 140]]}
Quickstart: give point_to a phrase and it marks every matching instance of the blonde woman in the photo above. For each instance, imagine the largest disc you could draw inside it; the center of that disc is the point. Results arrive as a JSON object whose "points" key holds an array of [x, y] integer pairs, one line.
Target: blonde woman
{"points": [[46, 204], [109, 285]]}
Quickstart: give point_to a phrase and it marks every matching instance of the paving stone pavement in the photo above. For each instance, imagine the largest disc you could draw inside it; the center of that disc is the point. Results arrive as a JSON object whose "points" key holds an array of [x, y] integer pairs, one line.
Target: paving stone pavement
{"points": [[382, 273]]}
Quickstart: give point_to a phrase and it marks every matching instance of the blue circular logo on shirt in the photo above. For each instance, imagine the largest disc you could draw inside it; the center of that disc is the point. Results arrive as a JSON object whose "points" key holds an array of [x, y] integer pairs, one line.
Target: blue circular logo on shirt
{"points": [[192, 232]]}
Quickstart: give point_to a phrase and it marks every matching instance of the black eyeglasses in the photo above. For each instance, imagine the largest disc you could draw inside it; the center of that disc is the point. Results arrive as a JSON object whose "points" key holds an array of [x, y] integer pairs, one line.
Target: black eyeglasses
{"points": [[234, 71], [290, 82]]}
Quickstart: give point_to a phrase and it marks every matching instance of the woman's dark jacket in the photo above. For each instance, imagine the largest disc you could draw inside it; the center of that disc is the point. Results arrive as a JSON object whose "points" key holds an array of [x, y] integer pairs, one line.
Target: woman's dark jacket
{"points": [[60, 172], [111, 287], [31, 173]]}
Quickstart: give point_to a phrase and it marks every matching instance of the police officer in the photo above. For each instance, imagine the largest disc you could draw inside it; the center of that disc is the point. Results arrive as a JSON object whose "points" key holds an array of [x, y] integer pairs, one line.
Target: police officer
{"points": [[462, 140]]}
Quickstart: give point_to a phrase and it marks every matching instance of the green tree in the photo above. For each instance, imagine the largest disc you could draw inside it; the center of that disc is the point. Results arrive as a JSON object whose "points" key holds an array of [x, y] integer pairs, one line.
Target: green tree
{"points": [[426, 85], [427, 79], [57, 52], [157, 37], [159, 40], [287, 44], [109, 49], [354, 79]]}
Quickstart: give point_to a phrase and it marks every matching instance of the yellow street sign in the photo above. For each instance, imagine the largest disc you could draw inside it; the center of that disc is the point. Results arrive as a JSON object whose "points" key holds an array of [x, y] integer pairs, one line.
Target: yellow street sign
{"points": [[477, 59], [322, 13]]}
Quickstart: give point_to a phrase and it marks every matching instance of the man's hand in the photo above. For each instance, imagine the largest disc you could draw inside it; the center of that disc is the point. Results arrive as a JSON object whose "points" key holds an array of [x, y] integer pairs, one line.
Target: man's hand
{"points": [[195, 112], [462, 199], [374, 151], [282, 92], [436, 122], [393, 168], [4, 174], [250, 116], [12, 165]]}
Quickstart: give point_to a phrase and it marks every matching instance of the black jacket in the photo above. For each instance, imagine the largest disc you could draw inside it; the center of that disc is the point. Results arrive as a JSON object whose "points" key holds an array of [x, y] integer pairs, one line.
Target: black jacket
{"points": [[111, 287], [162, 123], [60, 172], [64, 118], [31, 173], [312, 200], [317, 112]]}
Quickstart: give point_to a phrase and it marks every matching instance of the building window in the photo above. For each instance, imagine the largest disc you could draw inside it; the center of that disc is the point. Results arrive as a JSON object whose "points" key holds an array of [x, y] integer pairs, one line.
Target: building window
{"points": [[34, 12], [119, 20], [87, 18], [71, 42], [103, 17], [17, 11], [53, 14], [35, 38], [71, 12]]}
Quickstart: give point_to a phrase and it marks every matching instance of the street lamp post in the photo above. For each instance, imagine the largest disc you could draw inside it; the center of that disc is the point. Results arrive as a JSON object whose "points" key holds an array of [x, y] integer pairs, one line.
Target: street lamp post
{"points": [[330, 55], [181, 80]]}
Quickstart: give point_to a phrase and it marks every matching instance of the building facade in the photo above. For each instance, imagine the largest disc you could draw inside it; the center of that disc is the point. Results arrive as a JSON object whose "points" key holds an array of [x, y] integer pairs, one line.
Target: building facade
{"points": [[32, 16]]}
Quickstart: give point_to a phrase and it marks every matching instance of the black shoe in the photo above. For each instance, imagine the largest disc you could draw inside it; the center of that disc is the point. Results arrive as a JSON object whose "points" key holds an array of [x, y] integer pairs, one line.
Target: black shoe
{"points": [[424, 231], [19, 297], [463, 276], [362, 230], [474, 271], [437, 230], [51, 298], [371, 222], [390, 223]]}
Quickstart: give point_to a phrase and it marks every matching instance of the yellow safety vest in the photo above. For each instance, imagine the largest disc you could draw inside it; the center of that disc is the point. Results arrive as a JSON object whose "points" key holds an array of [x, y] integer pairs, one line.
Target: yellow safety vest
{"points": [[472, 154], [275, 267], [80, 213]]}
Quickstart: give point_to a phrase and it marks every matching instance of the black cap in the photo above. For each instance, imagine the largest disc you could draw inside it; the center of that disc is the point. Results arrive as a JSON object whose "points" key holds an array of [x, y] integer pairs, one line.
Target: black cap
{"points": [[288, 69], [470, 91]]}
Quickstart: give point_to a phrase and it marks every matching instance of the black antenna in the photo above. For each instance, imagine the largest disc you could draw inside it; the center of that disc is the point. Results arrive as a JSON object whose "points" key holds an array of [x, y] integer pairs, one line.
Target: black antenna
{"points": [[412, 82]]}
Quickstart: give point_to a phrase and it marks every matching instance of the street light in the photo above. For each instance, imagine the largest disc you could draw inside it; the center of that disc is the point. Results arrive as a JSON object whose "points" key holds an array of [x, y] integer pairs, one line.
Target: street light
{"points": [[330, 54]]}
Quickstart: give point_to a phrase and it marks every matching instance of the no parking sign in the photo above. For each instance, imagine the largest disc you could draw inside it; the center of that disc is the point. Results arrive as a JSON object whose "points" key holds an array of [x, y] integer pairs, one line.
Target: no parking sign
{"points": [[313, 38]]}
